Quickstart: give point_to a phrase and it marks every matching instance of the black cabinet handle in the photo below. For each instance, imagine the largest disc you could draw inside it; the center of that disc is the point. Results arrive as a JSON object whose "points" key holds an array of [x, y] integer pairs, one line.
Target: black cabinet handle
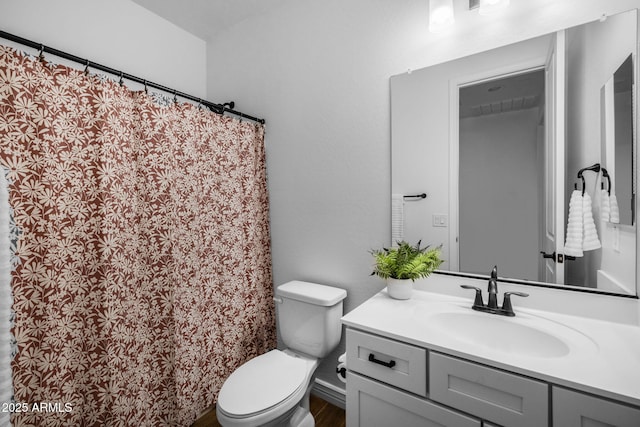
{"points": [[389, 364]]}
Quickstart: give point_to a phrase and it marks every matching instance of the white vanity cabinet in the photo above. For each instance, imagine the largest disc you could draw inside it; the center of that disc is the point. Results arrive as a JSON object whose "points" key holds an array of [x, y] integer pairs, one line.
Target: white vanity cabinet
{"points": [[389, 361], [388, 384], [575, 409], [393, 383], [370, 403], [501, 397], [413, 363]]}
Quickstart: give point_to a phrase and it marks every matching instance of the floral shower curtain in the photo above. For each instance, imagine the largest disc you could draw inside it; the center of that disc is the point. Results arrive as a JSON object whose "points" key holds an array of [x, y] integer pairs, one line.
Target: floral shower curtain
{"points": [[144, 273]]}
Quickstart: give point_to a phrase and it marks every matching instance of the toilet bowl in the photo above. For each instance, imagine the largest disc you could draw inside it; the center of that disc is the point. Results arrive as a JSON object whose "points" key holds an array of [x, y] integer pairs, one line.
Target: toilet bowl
{"points": [[273, 389]]}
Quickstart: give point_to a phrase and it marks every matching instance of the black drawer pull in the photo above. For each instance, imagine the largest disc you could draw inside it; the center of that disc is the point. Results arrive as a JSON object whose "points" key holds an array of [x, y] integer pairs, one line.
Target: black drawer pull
{"points": [[389, 364]]}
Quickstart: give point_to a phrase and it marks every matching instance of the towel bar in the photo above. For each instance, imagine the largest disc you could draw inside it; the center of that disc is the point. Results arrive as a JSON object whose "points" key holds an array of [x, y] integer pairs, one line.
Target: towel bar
{"points": [[416, 196]]}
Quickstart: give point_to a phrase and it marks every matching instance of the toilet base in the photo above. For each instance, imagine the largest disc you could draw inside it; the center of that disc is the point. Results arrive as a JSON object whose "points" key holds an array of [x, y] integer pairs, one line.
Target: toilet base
{"points": [[301, 418], [296, 417]]}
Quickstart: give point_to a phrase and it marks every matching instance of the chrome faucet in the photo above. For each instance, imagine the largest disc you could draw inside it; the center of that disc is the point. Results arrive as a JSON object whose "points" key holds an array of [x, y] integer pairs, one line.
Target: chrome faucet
{"points": [[492, 304], [492, 289]]}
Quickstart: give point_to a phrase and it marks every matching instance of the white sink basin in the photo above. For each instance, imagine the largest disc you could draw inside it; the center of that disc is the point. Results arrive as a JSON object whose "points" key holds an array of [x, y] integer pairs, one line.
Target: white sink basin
{"points": [[523, 335]]}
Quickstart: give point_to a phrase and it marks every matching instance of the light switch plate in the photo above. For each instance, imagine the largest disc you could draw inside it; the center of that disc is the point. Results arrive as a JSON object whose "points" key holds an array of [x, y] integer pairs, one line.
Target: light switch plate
{"points": [[440, 220]]}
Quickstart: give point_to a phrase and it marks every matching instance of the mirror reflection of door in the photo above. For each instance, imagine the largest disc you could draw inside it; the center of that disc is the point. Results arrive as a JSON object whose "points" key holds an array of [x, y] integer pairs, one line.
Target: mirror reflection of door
{"points": [[551, 266], [622, 185], [501, 174]]}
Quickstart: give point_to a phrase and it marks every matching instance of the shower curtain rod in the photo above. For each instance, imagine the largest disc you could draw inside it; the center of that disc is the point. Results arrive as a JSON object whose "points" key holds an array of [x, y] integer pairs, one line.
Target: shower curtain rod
{"points": [[216, 108]]}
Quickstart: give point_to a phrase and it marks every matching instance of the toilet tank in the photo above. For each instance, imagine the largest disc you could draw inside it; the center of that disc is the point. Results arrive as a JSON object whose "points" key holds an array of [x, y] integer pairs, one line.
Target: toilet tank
{"points": [[309, 316]]}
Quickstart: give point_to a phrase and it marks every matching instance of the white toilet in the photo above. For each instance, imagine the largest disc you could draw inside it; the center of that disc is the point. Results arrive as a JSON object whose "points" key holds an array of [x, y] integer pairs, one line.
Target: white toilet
{"points": [[273, 389]]}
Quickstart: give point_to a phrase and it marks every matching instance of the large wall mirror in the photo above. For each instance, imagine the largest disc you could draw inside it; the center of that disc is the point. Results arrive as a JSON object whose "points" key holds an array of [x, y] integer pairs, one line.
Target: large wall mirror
{"points": [[527, 154]]}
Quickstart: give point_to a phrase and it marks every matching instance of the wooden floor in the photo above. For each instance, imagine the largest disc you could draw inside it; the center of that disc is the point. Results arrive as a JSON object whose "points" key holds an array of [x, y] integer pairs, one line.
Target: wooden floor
{"points": [[325, 414]]}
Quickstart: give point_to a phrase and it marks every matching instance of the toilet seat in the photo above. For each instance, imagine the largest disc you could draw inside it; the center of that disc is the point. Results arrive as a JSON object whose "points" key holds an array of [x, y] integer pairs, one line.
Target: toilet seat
{"points": [[269, 385]]}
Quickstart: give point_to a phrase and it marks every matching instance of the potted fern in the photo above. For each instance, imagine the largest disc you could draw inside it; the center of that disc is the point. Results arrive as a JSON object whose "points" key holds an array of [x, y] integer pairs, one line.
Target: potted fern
{"points": [[402, 265]]}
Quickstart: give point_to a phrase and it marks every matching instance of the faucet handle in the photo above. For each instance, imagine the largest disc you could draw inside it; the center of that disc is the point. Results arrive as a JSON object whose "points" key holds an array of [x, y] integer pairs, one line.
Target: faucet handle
{"points": [[477, 302], [506, 303]]}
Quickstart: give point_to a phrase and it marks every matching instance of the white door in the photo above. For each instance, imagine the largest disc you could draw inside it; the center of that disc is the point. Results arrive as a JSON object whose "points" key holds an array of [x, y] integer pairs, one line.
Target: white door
{"points": [[553, 239]]}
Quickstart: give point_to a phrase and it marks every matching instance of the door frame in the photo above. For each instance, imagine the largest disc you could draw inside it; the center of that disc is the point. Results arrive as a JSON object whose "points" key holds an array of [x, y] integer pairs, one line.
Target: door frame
{"points": [[455, 84], [555, 122]]}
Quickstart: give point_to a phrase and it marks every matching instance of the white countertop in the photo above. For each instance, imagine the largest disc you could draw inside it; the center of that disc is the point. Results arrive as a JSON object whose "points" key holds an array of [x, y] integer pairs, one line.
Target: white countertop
{"points": [[604, 357]]}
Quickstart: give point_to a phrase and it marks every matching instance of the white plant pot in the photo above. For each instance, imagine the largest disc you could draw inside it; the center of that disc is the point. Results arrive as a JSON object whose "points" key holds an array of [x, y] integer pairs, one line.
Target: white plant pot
{"points": [[399, 288]]}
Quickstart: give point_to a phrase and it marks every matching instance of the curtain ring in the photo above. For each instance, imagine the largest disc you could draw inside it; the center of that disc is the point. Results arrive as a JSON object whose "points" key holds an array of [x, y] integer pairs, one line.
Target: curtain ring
{"points": [[86, 67], [146, 90], [175, 97], [199, 103], [41, 53], [121, 78]]}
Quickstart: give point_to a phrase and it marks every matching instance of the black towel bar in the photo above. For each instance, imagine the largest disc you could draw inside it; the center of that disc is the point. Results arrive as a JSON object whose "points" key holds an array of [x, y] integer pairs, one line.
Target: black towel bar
{"points": [[594, 168], [416, 196]]}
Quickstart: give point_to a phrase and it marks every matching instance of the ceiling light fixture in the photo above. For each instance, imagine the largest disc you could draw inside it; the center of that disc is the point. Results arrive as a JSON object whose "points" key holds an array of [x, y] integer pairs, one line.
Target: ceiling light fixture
{"points": [[440, 15]]}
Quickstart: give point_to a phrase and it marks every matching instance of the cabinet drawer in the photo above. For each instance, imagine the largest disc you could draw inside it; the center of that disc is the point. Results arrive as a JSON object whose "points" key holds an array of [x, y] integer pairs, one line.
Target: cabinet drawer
{"points": [[497, 396], [372, 404], [574, 409], [395, 363]]}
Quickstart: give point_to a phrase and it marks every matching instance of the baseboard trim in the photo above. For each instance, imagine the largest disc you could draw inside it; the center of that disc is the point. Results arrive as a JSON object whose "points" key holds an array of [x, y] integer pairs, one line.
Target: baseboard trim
{"points": [[329, 392]]}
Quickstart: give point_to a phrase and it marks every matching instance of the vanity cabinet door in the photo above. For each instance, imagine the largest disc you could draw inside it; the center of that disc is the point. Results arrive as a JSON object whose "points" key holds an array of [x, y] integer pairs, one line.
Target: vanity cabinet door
{"points": [[393, 362], [497, 396], [574, 409], [372, 404]]}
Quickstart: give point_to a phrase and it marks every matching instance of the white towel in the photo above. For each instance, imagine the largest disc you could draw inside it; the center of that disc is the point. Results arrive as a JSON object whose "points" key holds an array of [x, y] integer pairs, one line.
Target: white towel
{"points": [[573, 243], [397, 218], [590, 239], [605, 206], [6, 387], [614, 213]]}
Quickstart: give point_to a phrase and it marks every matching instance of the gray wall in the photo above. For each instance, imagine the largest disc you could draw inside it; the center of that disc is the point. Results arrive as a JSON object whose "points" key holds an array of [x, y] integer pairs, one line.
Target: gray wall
{"points": [[319, 73]]}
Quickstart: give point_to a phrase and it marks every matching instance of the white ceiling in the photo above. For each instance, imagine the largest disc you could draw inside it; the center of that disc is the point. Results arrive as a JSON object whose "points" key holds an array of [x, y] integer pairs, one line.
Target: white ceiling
{"points": [[206, 18]]}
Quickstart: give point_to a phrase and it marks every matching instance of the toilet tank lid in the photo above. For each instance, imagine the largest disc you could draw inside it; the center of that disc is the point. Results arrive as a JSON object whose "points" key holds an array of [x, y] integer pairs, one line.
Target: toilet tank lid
{"points": [[311, 293]]}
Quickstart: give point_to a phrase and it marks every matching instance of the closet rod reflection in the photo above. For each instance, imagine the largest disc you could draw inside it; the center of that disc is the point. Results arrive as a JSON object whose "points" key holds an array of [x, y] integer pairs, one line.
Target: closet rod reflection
{"points": [[217, 108]]}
